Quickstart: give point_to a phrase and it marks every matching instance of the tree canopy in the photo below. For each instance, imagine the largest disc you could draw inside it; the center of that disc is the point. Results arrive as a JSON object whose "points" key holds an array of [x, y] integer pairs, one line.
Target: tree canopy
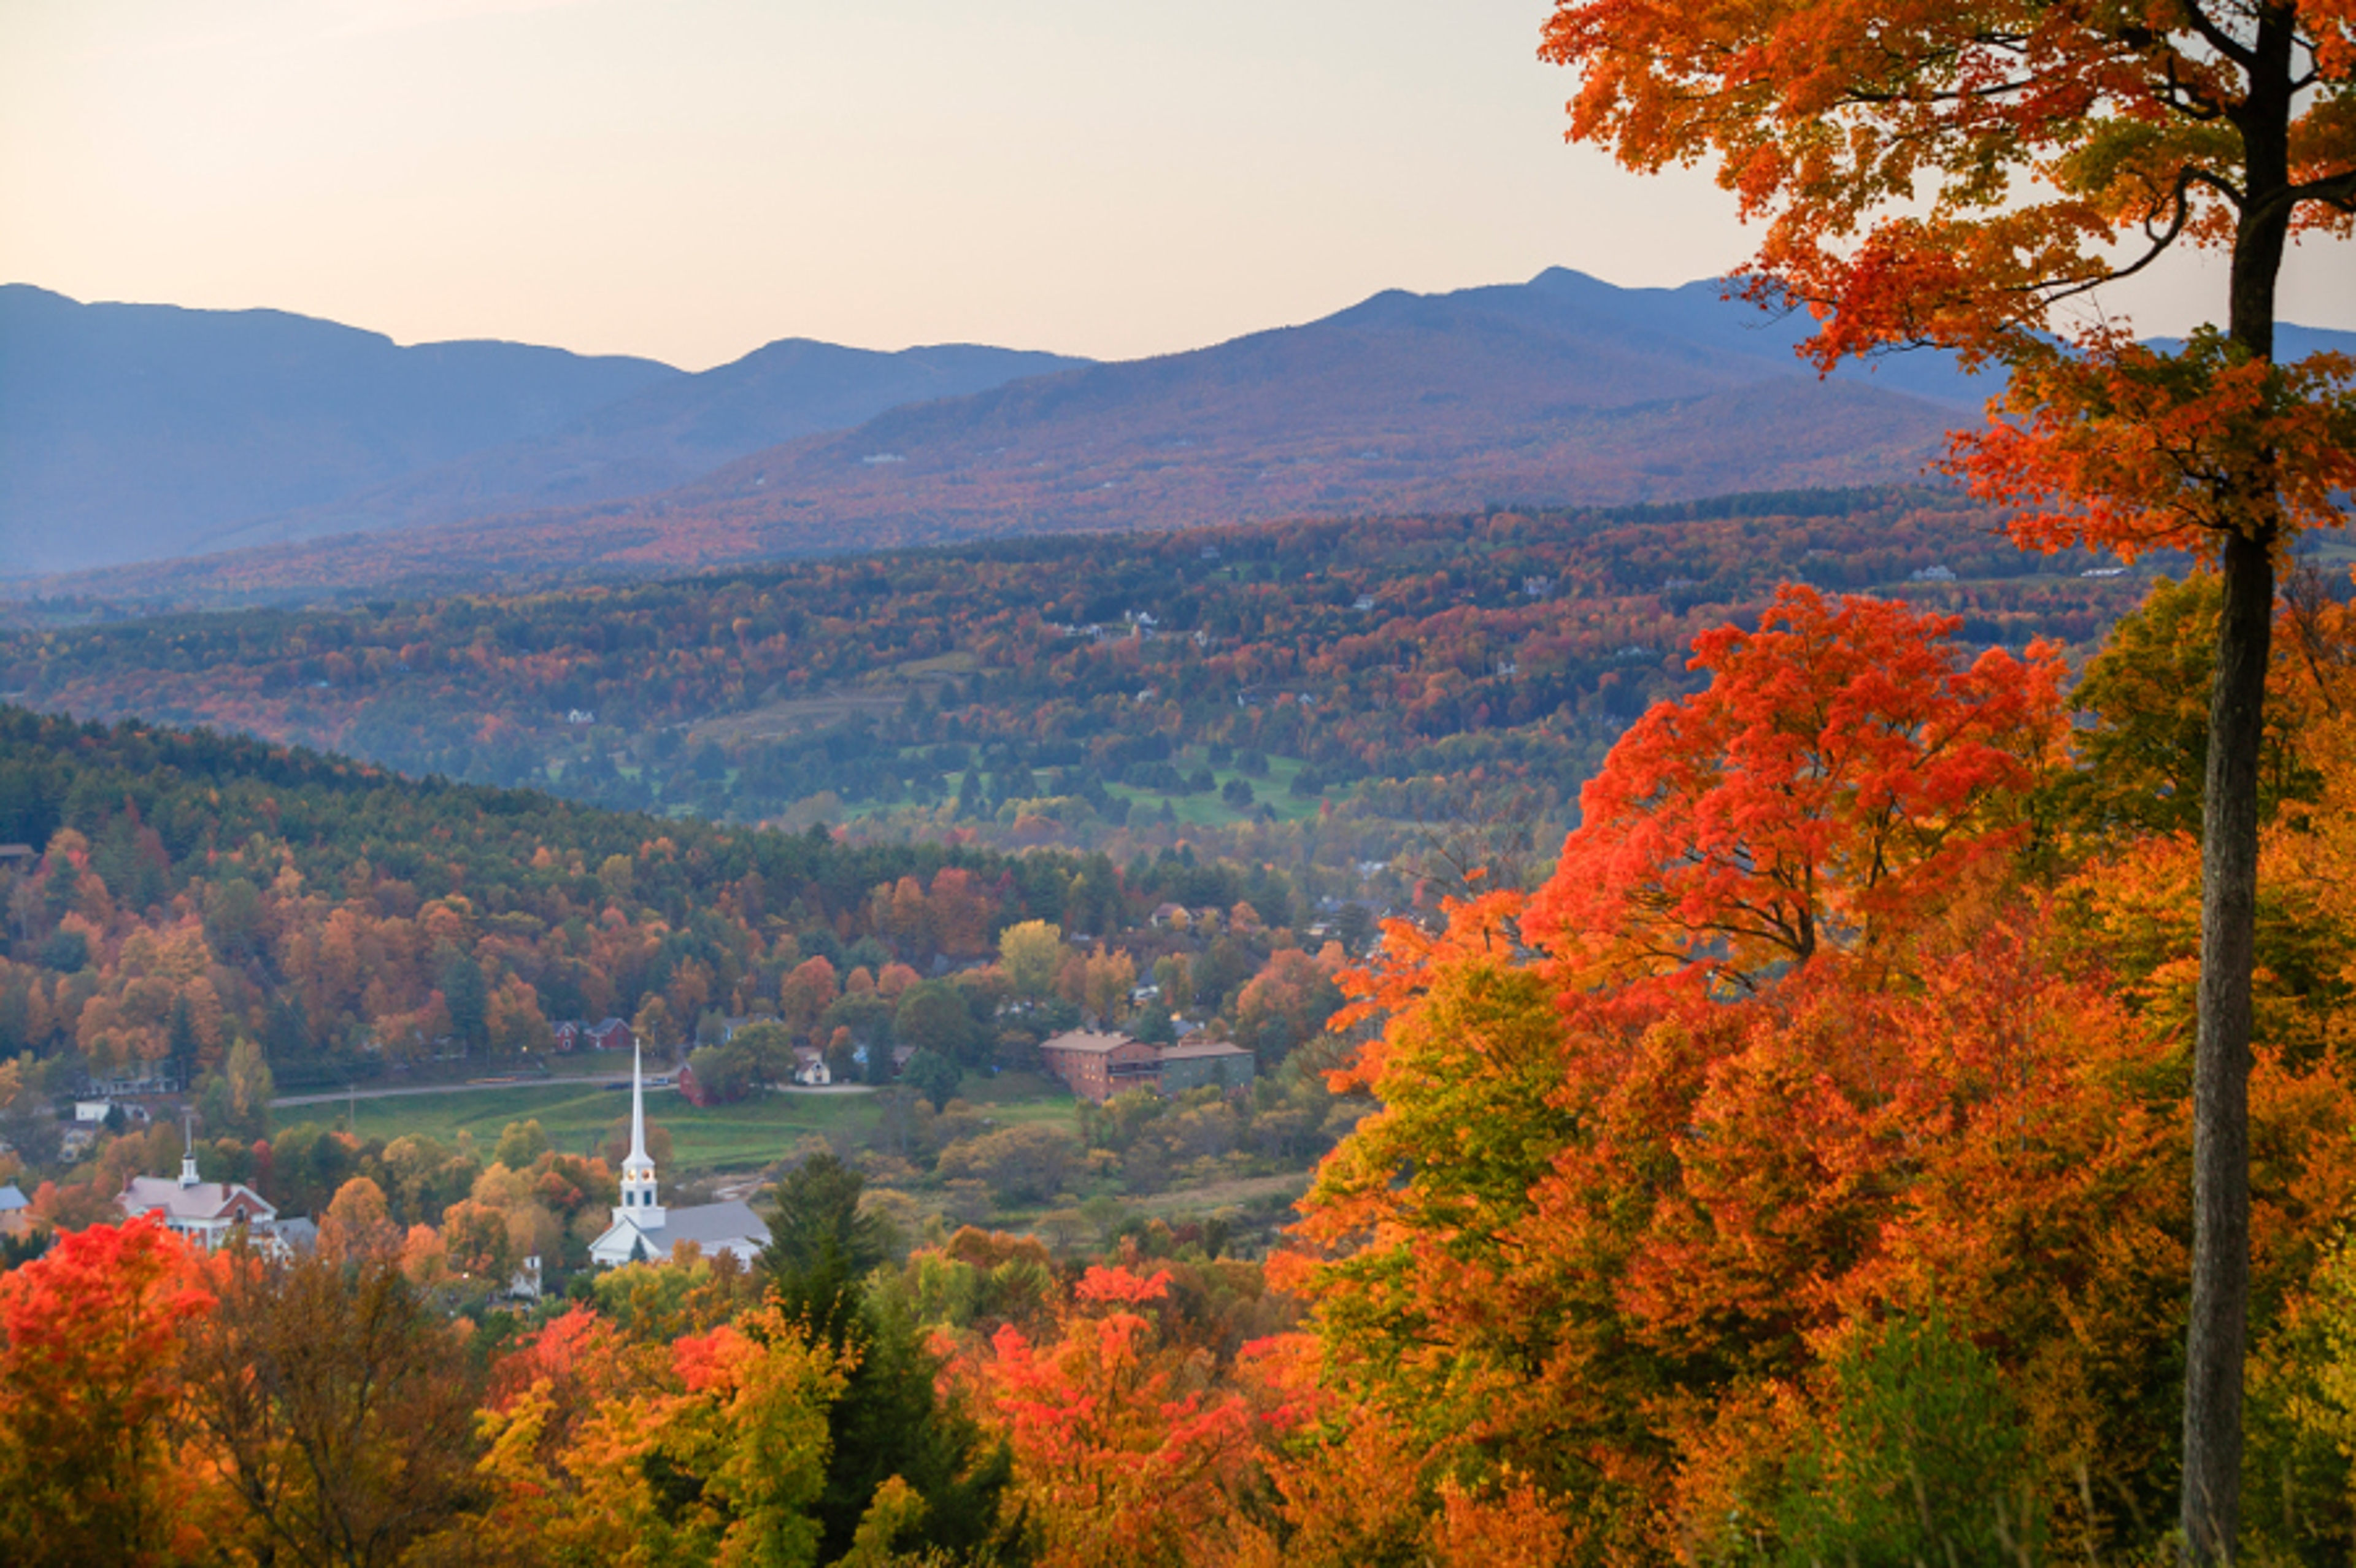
{"points": [[1955, 174]]}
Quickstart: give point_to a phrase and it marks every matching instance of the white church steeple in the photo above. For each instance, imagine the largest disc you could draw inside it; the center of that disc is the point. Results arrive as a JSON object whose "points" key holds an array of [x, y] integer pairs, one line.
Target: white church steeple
{"points": [[641, 1203]]}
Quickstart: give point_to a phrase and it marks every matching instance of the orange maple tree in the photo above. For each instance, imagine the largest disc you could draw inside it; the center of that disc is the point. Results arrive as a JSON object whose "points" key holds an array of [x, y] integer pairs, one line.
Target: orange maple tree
{"points": [[1953, 174], [1842, 775]]}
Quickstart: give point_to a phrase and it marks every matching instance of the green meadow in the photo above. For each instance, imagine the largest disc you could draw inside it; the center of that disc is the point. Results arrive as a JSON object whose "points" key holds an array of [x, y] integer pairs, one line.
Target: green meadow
{"points": [[745, 1136], [577, 1117]]}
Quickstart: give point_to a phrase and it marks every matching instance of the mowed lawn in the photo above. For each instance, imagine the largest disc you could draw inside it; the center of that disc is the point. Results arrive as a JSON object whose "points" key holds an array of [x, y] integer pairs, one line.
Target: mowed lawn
{"points": [[743, 1136]]}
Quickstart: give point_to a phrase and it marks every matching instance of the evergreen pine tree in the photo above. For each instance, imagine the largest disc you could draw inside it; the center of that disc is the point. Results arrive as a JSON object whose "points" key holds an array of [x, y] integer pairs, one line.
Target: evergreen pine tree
{"points": [[890, 1420]]}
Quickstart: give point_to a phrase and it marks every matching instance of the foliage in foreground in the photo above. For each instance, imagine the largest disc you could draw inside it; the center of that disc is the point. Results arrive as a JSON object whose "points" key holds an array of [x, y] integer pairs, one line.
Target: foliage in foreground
{"points": [[1672, 1238]]}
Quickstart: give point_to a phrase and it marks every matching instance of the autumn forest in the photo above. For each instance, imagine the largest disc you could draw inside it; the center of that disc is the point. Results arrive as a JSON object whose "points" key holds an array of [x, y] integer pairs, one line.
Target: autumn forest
{"points": [[1800, 1027]]}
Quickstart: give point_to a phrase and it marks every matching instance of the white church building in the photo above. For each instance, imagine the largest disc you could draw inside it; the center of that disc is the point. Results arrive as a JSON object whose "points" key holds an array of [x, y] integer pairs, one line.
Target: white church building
{"points": [[209, 1213], [645, 1231]]}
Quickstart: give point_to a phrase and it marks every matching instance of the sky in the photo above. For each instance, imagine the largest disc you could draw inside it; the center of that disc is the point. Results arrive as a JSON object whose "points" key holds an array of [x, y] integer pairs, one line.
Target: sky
{"points": [[687, 179]]}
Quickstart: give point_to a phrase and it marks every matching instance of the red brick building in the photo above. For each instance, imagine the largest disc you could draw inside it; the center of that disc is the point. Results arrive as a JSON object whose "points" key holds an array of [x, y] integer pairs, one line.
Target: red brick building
{"points": [[1099, 1065]]}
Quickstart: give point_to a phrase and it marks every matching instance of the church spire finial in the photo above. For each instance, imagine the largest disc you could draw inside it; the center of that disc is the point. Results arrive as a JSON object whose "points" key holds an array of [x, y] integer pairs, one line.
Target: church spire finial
{"points": [[187, 1149], [638, 1107]]}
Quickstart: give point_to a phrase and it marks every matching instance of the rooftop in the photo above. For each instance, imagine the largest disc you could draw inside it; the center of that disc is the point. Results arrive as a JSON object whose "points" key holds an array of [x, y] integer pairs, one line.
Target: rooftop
{"points": [[731, 1220], [1201, 1049], [198, 1201], [1093, 1042]]}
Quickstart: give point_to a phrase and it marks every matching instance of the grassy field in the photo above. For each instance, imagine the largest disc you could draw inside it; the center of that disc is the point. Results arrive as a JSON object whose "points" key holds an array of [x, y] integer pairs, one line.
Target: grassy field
{"points": [[740, 1138], [743, 1136], [737, 1140], [1272, 791]]}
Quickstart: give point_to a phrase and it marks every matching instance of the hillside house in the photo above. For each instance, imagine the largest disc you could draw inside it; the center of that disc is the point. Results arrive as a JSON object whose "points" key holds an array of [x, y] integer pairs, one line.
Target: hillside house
{"points": [[1099, 1064], [136, 1078], [609, 1034]]}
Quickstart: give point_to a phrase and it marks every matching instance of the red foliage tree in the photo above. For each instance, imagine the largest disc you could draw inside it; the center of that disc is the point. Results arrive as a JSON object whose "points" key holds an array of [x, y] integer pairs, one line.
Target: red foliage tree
{"points": [[90, 1350], [1122, 1448], [1842, 777]]}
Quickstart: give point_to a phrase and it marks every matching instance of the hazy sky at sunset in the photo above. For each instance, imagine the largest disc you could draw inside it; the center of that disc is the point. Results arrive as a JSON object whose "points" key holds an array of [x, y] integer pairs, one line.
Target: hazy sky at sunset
{"points": [[690, 178]]}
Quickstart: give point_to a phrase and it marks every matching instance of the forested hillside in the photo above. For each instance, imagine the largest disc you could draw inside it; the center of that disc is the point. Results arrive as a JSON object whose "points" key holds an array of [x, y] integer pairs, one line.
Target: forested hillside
{"points": [[188, 892], [1105, 691]]}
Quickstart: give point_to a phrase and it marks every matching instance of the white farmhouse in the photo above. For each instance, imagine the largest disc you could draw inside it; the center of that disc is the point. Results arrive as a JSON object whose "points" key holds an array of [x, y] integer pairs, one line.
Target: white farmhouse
{"points": [[207, 1212], [645, 1231]]}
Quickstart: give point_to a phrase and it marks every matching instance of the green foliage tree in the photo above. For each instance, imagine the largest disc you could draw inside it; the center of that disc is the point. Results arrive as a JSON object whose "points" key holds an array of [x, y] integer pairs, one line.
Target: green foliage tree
{"points": [[1031, 951], [934, 1076], [233, 920], [821, 1244], [235, 1102], [468, 998], [890, 1420], [866, 1015], [1153, 1026], [2145, 759], [1919, 1458], [933, 1016], [1024, 1164], [723, 1072], [519, 1143]]}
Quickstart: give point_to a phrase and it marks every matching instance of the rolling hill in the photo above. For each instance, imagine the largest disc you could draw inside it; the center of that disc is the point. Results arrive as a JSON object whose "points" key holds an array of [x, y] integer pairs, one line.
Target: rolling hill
{"points": [[135, 432], [670, 433], [1564, 390]]}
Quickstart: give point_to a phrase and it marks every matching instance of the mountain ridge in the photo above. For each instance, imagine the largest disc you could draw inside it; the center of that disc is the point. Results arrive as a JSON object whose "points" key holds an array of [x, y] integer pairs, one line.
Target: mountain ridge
{"points": [[1564, 390], [132, 432], [665, 435], [129, 430]]}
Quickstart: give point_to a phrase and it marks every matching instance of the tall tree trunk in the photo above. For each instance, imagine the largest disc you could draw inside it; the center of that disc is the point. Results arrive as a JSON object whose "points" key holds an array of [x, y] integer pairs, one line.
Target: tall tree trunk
{"points": [[2220, 1069], [2217, 1332]]}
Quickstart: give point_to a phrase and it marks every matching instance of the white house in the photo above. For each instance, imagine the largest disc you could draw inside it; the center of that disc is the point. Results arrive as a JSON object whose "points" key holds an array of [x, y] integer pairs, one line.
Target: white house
{"points": [[645, 1231], [207, 1212]]}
